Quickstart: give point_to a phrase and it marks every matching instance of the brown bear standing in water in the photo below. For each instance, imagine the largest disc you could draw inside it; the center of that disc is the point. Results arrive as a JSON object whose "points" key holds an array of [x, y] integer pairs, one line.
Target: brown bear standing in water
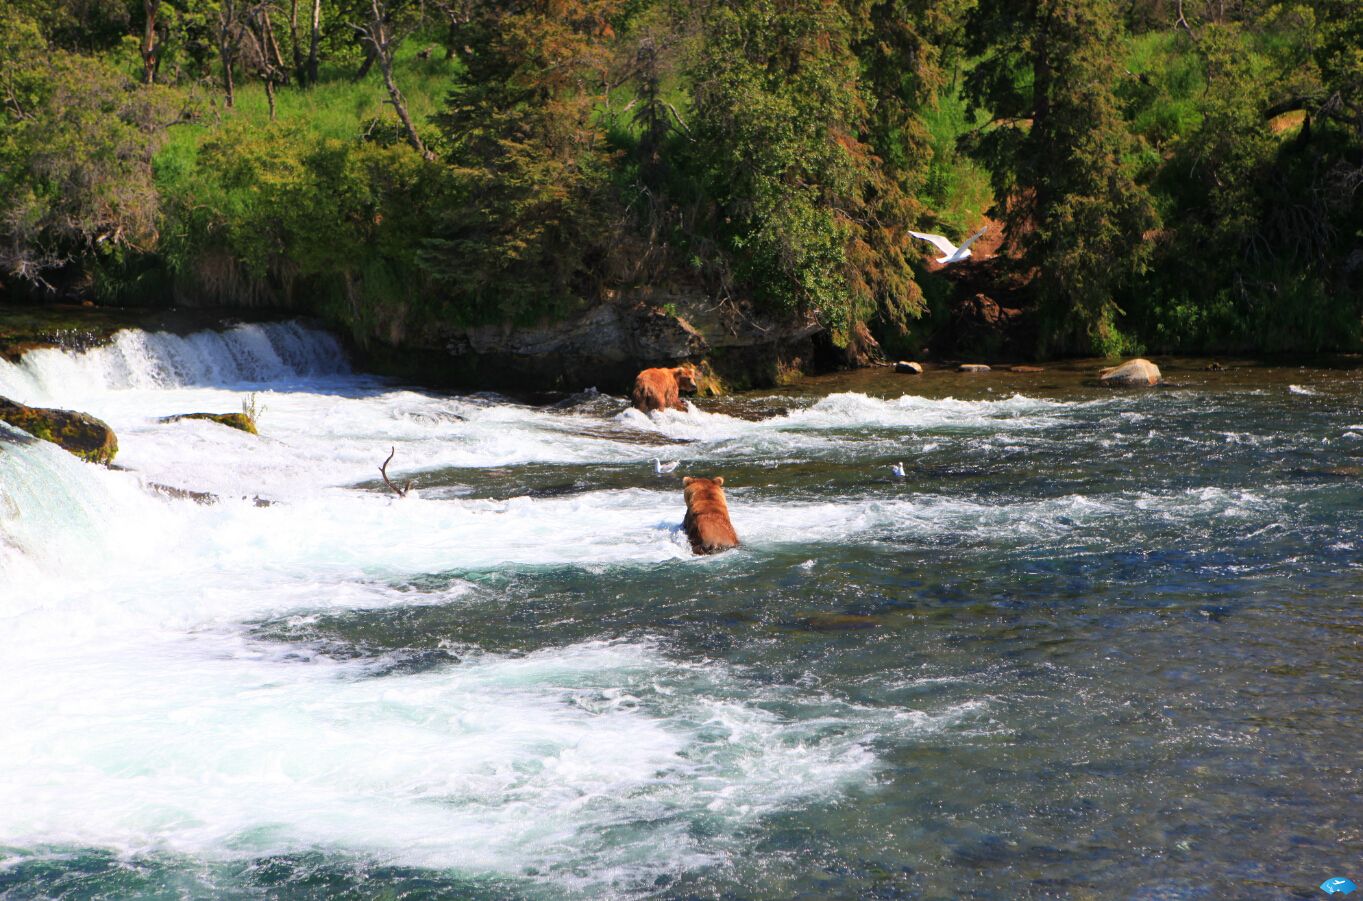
{"points": [[707, 516], [661, 389]]}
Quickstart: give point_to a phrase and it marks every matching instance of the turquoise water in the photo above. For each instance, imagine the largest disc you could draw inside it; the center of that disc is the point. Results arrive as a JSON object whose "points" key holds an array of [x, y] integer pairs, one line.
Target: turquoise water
{"points": [[1094, 645]]}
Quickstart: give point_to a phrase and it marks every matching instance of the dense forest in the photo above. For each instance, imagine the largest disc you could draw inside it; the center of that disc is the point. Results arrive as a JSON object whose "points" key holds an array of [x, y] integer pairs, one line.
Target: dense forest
{"points": [[1158, 176]]}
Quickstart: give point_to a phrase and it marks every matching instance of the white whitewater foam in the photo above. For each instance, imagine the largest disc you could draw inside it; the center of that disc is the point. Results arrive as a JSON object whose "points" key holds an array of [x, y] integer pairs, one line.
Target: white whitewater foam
{"points": [[57, 515], [140, 718], [1302, 389], [494, 764], [850, 411]]}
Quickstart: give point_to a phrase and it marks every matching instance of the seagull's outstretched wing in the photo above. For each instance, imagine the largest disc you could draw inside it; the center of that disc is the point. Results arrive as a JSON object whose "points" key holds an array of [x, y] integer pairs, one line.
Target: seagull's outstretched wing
{"points": [[937, 241], [972, 238]]}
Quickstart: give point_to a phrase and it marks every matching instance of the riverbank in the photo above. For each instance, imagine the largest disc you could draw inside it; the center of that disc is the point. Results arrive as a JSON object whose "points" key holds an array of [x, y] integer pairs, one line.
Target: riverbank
{"points": [[582, 353]]}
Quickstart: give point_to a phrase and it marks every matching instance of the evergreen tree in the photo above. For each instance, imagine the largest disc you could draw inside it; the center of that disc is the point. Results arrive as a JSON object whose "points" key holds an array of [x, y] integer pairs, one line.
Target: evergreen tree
{"points": [[1340, 57], [803, 204], [524, 141], [1058, 152], [901, 46]]}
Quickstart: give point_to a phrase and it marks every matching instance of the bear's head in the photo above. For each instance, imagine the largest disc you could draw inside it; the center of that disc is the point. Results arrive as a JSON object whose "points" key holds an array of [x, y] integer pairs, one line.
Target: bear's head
{"points": [[686, 378], [693, 485]]}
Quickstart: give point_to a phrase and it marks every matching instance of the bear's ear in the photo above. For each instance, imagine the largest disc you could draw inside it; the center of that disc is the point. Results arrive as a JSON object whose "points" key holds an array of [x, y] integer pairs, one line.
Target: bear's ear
{"points": [[719, 481], [687, 480]]}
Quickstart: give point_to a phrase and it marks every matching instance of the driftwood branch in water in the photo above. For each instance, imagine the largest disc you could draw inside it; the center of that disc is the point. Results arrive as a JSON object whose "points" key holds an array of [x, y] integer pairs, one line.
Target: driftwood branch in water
{"points": [[383, 471]]}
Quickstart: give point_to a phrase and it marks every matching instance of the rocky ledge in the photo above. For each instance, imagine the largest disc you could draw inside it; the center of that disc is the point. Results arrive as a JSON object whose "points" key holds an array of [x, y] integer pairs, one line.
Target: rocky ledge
{"points": [[85, 436], [81, 327], [606, 344]]}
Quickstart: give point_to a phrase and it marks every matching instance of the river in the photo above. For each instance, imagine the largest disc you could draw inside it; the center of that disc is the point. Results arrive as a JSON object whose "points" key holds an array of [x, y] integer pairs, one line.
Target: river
{"points": [[1094, 644]]}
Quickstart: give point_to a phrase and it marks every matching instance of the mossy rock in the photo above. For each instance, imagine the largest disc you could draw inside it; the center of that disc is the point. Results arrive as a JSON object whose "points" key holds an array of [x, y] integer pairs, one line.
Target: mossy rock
{"points": [[231, 420], [85, 436], [708, 382]]}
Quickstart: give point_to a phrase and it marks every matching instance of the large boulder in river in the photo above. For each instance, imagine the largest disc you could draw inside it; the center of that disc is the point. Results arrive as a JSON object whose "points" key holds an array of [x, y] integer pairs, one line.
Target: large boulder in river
{"points": [[232, 420], [1136, 373], [83, 435]]}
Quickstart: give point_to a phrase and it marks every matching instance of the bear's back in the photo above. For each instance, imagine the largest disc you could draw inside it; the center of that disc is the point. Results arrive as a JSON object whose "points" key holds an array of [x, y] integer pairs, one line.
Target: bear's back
{"points": [[656, 389], [707, 521]]}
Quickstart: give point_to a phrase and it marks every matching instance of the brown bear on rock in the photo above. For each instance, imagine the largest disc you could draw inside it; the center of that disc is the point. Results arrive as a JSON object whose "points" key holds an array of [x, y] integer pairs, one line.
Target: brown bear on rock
{"points": [[661, 389], [707, 516]]}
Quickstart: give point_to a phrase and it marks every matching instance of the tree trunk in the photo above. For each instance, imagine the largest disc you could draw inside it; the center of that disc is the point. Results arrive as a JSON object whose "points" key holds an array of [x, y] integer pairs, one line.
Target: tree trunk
{"points": [[270, 44], [227, 85], [227, 16], [366, 64], [316, 37], [151, 47], [376, 35], [269, 95], [400, 104], [1043, 75], [293, 43]]}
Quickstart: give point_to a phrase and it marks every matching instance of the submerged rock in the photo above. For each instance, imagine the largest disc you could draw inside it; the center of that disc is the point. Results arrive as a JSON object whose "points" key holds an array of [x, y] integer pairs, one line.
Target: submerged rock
{"points": [[85, 436], [1026, 369], [231, 420], [1137, 373], [839, 622], [909, 367], [203, 498]]}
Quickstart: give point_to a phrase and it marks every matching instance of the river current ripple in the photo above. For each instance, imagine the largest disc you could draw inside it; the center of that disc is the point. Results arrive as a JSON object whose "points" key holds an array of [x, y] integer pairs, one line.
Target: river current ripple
{"points": [[1094, 644]]}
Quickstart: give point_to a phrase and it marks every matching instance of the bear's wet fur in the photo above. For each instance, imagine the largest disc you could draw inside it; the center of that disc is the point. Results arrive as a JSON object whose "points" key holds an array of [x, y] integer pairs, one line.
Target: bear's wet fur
{"points": [[707, 516], [661, 389]]}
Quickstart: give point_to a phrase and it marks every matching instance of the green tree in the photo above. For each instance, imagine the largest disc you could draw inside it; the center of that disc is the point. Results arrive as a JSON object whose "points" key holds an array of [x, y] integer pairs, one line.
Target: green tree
{"points": [[804, 206], [530, 226], [77, 25], [902, 46], [76, 144], [1059, 152], [1340, 56], [1260, 192]]}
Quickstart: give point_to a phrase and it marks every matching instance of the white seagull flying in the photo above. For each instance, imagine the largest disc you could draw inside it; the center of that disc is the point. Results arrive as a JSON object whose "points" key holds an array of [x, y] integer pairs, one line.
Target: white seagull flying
{"points": [[952, 253]]}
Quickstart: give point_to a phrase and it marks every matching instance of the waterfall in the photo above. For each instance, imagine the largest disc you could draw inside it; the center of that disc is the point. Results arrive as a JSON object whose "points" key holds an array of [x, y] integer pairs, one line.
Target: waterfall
{"points": [[249, 354]]}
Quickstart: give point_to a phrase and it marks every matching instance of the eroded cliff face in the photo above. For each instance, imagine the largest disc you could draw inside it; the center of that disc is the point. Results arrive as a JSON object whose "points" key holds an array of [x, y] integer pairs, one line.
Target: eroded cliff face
{"points": [[604, 346]]}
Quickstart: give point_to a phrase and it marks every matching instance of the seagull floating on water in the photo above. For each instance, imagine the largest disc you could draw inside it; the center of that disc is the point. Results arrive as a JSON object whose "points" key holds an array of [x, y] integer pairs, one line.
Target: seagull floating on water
{"points": [[953, 254], [662, 468], [897, 470]]}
